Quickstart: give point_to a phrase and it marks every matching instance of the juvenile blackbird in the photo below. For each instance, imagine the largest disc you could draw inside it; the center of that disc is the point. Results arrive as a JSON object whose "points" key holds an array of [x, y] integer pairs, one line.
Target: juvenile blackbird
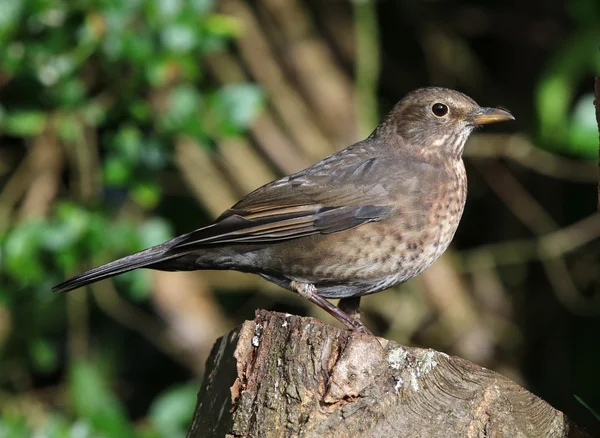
{"points": [[362, 220]]}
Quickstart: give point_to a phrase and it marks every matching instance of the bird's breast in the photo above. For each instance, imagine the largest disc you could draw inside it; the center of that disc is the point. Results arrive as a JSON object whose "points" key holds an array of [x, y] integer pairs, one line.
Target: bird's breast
{"points": [[414, 240], [378, 255]]}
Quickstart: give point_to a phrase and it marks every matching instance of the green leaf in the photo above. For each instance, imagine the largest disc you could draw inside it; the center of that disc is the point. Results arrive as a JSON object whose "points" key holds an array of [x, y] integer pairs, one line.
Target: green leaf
{"points": [[179, 38], [71, 225], [93, 113], [172, 411], [140, 110], [57, 427], [14, 427], [70, 129], [137, 284], [154, 155], [237, 106], [223, 25], [168, 9], [159, 71], [154, 231], [22, 250], [71, 92], [554, 94], [24, 123], [116, 171], [93, 401], [573, 62], [43, 354], [128, 142], [146, 194], [9, 14], [201, 7], [183, 105], [583, 130]]}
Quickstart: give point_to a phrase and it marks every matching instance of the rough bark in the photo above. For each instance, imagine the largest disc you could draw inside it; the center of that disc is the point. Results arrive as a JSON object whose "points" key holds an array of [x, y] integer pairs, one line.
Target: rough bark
{"points": [[286, 376], [597, 106]]}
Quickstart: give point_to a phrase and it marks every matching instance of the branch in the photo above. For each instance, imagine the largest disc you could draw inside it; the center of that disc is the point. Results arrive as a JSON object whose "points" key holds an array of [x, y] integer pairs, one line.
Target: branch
{"points": [[597, 104], [283, 375], [519, 148]]}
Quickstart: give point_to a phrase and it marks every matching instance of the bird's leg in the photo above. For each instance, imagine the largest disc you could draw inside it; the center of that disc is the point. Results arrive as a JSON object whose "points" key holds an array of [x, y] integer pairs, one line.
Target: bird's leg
{"points": [[350, 306], [309, 291]]}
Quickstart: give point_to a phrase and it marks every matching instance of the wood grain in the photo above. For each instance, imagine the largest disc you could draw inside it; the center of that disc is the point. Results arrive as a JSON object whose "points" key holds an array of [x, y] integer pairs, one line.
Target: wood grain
{"points": [[287, 376]]}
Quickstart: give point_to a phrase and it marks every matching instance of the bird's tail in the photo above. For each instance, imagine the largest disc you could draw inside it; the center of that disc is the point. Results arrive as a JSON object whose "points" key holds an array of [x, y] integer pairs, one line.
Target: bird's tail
{"points": [[145, 258]]}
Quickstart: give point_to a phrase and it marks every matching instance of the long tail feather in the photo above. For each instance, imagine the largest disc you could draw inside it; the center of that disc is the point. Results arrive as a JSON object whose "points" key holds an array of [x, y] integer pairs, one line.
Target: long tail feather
{"points": [[140, 259]]}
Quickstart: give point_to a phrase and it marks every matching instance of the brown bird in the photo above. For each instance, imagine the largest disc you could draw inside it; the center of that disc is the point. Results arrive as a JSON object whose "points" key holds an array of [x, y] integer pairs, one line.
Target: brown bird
{"points": [[362, 220]]}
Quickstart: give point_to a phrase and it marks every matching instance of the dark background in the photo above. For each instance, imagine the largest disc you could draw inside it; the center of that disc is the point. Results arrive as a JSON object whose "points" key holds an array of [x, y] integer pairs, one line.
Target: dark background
{"points": [[123, 124]]}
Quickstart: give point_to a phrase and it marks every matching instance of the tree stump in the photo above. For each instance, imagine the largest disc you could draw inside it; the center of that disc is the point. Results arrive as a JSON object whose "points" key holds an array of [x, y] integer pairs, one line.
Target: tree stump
{"points": [[287, 376]]}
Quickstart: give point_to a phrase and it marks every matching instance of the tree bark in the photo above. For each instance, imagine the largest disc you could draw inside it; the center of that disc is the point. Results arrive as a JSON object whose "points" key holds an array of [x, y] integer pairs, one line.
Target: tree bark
{"points": [[287, 376], [597, 106]]}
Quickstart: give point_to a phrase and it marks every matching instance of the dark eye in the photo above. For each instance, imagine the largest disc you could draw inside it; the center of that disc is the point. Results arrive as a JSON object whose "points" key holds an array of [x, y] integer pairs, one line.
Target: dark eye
{"points": [[439, 109]]}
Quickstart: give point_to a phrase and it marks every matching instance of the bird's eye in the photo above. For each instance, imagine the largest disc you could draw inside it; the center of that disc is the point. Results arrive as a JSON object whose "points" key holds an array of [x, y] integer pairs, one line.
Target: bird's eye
{"points": [[439, 109]]}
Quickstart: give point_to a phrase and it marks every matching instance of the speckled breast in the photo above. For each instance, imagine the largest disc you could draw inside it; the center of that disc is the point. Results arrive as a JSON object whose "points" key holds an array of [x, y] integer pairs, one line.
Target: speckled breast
{"points": [[379, 255]]}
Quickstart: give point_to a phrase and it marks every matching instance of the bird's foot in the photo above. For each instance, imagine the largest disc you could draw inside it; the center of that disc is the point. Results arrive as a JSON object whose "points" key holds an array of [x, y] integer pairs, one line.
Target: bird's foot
{"points": [[309, 291], [358, 326]]}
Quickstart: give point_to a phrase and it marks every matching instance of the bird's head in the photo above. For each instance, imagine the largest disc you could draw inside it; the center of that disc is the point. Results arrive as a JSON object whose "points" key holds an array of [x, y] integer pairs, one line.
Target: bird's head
{"points": [[439, 120]]}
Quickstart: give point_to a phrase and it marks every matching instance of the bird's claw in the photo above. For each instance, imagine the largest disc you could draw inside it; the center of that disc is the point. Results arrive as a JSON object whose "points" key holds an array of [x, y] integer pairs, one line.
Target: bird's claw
{"points": [[359, 327]]}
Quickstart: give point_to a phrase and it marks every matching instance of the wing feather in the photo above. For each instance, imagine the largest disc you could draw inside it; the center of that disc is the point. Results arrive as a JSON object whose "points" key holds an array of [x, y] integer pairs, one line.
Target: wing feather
{"points": [[277, 225]]}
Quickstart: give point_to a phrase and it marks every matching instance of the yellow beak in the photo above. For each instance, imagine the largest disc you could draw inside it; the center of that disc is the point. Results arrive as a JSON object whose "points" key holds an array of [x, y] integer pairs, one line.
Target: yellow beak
{"points": [[484, 116]]}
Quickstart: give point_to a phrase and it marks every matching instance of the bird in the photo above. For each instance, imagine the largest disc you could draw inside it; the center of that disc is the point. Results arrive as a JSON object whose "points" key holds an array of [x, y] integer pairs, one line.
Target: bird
{"points": [[367, 218]]}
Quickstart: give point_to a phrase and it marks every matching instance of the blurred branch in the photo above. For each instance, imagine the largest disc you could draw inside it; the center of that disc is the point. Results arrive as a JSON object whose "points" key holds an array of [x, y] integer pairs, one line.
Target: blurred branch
{"points": [[549, 246], [297, 117], [129, 316], [538, 220], [188, 308], [459, 322], [265, 130], [245, 167], [524, 206], [83, 153], [451, 60], [520, 149], [367, 65], [14, 189], [77, 315], [45, 167], [309, 62], [204, 178]]}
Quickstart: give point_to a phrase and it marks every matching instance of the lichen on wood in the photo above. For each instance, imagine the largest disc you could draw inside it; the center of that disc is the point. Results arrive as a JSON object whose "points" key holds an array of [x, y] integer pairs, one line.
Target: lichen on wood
{"points": [[286, 376]]}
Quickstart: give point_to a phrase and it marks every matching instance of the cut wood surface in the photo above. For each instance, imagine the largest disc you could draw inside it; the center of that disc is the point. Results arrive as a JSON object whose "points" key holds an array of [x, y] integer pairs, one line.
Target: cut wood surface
{"points": [[287, 376]]}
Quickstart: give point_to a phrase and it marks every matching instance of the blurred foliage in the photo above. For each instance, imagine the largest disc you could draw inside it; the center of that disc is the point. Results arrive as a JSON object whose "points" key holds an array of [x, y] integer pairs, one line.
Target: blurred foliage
{"points": [[116, 83], [101, 414], [566, 126], [132, 73]]}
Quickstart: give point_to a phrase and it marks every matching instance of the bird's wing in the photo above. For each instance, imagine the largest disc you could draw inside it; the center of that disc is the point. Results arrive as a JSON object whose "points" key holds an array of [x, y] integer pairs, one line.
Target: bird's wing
{"points": [[279, 224], [319, 200]]}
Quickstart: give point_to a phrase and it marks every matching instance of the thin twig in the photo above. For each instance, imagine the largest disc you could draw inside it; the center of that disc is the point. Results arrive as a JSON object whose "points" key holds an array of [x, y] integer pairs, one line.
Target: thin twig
{"points": [[550, 246], [538, 220], [524, 206], [520, 149]]}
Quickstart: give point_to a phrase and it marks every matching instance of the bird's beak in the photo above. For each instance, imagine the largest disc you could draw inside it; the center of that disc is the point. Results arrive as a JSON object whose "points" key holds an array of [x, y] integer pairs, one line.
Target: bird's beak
{"points": [[484, 116]]}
